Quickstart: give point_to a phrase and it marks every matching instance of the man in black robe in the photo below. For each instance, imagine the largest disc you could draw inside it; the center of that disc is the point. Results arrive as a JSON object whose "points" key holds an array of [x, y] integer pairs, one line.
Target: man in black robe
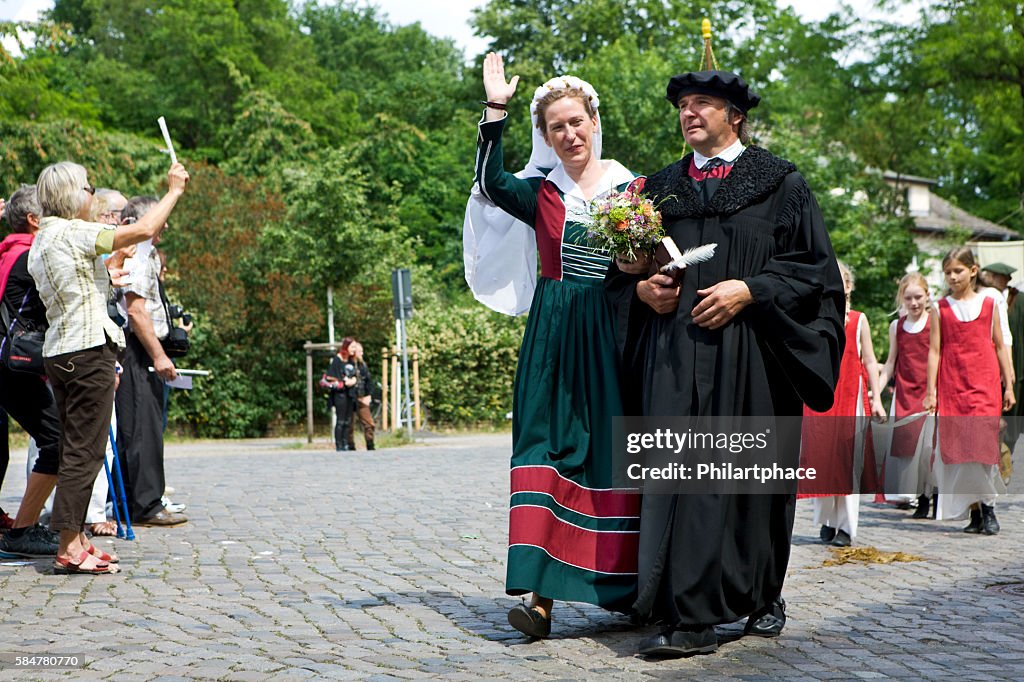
{"points": [[755, 331]]}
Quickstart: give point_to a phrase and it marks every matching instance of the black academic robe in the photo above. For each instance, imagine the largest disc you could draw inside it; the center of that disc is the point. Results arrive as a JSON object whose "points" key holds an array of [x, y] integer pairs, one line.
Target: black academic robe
{"points": [[709, 559]]}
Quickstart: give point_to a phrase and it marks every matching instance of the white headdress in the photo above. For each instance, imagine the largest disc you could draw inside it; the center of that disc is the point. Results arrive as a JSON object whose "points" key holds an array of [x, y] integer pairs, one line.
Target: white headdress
{"points": [[500, 252]]}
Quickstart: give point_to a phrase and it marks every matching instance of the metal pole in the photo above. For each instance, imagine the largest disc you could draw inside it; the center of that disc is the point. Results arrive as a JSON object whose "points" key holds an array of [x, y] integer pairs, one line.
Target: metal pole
{"points": [[407, 403], [407, 398]]}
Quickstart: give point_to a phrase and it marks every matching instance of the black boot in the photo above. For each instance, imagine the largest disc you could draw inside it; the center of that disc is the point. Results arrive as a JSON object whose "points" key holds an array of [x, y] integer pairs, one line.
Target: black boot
{"points": [[935, 505], [369, 444], [989, 525], [341, 443], [975, 525], [924, 504]]}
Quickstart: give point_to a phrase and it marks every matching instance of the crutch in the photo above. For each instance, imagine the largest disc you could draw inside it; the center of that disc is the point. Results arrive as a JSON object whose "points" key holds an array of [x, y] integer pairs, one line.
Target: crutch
{"points": [[113, 496], [129, 534]]}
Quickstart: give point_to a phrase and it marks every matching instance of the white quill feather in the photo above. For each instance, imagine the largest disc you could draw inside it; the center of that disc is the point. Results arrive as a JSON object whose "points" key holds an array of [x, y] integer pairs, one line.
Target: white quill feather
{"points": [[697, 254]]}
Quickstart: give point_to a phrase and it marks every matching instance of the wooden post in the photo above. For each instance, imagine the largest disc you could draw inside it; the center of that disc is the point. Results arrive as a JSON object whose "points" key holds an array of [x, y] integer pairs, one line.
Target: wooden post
{"points": [[416, 386], [309, 393], [384, 387], [396, 392]]}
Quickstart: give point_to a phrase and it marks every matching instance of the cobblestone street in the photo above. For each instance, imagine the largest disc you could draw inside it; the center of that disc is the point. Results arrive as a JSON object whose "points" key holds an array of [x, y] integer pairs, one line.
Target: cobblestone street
{"points": [[310, 564]]}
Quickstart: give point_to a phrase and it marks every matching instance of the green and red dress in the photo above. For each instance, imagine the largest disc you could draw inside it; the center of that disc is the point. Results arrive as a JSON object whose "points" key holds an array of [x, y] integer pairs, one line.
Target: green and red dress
{"points": [[572, 536]]}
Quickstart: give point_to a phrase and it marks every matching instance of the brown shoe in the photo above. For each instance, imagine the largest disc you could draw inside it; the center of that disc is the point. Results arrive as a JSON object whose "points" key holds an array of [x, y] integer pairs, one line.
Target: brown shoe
{"points": [[164, 519]]}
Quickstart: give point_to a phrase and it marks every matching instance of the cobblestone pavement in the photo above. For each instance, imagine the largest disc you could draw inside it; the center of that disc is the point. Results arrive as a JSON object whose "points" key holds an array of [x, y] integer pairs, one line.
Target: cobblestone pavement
{"points": [[310, 564]]}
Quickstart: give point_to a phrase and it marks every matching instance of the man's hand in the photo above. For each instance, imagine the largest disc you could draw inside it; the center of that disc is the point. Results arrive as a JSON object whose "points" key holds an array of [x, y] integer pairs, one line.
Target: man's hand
{"points": [[659, 292], [721, 303], [164, 368]]}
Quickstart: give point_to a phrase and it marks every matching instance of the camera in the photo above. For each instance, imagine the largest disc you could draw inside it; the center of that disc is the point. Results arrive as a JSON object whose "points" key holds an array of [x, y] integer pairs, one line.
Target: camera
{"points": [[176, 311]]}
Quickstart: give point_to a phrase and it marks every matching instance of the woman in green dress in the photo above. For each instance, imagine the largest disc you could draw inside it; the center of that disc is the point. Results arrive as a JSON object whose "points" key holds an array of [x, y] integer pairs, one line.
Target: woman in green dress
{"points": [[572, 536]]}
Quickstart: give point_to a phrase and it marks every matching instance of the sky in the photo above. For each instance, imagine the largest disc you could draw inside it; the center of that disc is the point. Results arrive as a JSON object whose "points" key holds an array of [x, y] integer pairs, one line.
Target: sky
{"points": [[450, 18]]}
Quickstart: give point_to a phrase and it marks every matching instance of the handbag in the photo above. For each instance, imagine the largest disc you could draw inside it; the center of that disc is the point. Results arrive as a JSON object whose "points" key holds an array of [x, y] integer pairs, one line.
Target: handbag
{"points": [[176, 344], [22, 348]]}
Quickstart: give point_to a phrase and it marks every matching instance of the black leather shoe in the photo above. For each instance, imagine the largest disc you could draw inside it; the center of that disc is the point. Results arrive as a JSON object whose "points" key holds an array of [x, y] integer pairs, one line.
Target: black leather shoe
{"points": [[768, 624], [989, 524], [369, 445], [974, 527], [842, 539], [676, 643], [529, 621], [827, 534], [924, 504]]}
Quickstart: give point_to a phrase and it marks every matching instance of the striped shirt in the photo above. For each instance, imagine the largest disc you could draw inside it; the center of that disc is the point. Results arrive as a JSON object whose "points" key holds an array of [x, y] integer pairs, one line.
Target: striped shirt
{"points": [[73, 284]]}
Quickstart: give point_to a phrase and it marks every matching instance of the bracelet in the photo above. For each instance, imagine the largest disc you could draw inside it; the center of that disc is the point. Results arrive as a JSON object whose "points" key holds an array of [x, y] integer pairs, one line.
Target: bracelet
{"points": [[494, 105]]}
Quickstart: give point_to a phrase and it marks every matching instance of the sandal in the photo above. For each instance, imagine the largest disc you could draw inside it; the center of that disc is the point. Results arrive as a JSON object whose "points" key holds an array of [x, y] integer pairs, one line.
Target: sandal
{"points": [[62, 566], [104, 528], [102, 556]]}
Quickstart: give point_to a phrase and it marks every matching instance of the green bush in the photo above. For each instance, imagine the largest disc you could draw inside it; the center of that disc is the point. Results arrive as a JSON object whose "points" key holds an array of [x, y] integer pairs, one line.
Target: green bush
{"points": [[467, 362]]}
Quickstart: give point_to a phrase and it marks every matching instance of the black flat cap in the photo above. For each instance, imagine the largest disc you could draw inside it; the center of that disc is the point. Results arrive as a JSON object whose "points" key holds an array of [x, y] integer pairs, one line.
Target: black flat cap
{"points": [[724, 84]]}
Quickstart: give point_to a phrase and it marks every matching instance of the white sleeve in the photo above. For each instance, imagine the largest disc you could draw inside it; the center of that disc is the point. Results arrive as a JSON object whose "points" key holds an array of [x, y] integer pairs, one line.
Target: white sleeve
{"points": [[1004, 320], [499, 256]]}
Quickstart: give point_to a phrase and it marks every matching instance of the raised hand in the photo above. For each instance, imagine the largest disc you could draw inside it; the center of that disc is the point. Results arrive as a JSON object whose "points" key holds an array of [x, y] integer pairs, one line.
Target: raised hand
{"points": [[496, 87], [177, 178]]}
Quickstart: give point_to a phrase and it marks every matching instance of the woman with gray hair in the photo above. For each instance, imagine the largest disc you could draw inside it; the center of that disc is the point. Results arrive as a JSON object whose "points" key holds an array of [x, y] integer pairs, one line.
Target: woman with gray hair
{"points": [[81, 340], [24, 396]]}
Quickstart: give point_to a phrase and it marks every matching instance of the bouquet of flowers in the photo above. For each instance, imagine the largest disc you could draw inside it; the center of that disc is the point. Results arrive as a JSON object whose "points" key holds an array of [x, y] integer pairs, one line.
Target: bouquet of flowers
{"points": [[626, 223]]}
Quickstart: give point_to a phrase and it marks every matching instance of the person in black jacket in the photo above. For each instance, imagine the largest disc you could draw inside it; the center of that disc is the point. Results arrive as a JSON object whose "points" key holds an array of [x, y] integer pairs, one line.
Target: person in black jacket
{"points": [[343, 380], [755, 330], [25, 397]]}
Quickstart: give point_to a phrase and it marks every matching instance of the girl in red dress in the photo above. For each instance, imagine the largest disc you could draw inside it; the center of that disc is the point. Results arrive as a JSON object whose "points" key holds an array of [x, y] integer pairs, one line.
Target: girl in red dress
{"points": [[908, 463], [965, 362], [836, 442]]}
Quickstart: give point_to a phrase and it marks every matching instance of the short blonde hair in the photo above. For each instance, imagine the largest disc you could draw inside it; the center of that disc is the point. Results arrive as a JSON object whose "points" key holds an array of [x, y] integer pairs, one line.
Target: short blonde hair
{"points": [[61, 189]]}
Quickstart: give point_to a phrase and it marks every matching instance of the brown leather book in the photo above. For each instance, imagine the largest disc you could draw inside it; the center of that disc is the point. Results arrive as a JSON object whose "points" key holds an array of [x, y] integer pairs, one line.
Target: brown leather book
{"points": [[664, 253]]}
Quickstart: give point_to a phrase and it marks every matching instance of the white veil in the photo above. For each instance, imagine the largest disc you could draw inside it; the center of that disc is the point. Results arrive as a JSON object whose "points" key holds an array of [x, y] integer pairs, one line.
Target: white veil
{"points": [[500, 252]]}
